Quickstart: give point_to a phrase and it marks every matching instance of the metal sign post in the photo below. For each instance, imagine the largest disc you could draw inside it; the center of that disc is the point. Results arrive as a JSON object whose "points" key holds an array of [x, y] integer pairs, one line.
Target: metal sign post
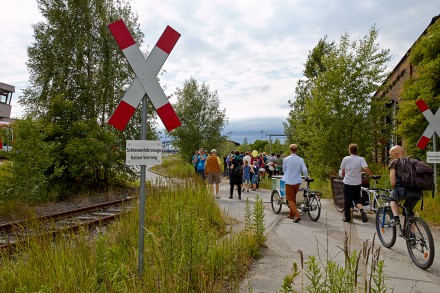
{"points": [[142, 195], [144, 87]]}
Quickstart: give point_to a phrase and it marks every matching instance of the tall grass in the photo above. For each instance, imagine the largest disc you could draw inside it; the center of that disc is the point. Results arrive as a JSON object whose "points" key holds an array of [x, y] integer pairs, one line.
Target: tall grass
{"points": [[188, 248], [362, 271]]}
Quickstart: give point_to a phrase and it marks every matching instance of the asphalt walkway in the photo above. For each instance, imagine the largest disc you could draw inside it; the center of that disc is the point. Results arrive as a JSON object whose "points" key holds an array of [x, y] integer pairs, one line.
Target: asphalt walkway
{"points": [[323, 238]]}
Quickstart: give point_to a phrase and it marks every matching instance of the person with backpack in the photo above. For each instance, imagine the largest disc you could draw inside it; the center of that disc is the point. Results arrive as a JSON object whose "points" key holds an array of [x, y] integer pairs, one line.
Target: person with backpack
{"points": [[411, 195], [236, 174], [201, 158]]}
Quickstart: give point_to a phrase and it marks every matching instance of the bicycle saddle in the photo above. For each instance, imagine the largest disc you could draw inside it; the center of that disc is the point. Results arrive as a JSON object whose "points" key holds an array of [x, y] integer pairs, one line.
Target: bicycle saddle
{"points": [[375, 177], [309, 179]]}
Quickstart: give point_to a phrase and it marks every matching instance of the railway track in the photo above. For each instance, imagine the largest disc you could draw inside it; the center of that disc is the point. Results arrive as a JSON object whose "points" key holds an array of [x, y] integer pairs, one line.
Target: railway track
{"points": [[15, 233]]}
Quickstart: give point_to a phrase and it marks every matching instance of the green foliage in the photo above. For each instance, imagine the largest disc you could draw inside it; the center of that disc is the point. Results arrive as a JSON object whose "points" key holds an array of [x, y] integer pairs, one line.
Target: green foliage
{"points": [[33, 157], [333, 107], [77, 77], [258, 220], [259, 145], [6, 180], [424, 84], [362, 271], [75, 55], [201, 117]]}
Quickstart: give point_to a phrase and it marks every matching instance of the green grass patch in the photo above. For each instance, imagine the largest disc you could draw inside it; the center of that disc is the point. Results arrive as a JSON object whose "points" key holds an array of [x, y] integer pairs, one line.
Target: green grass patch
{"points": [[189, 247], [174, 166]]}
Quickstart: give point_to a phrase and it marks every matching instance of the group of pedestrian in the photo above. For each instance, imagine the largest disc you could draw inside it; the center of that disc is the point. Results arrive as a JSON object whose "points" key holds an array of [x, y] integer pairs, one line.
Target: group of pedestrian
{"points": [[208, 167], [352, 167], [244, 171]]}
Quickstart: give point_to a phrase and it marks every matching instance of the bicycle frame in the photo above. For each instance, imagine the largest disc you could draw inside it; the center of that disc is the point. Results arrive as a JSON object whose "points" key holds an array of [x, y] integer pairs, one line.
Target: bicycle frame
{"points": [[375, 198]]}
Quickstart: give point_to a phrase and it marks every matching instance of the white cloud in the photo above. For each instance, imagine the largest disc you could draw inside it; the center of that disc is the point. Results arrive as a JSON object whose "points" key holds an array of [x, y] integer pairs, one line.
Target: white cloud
{"points": [[251, 52]]}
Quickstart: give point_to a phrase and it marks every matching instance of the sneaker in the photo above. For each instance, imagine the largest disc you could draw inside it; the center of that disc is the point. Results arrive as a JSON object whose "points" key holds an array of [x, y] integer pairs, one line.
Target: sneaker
{"points": [[217, 196], [394, 222], [242, 189], [296, 220], [344, 219], [364, 216]]}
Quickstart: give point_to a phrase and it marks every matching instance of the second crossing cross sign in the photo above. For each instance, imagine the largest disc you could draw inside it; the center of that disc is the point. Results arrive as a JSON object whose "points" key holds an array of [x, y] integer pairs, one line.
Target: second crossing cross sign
{"points": [[145, 71], [433, 126]]}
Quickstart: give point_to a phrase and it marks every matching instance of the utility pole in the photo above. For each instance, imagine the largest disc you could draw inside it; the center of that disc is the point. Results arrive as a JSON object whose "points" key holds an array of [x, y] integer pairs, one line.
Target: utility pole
{"points": [[270, 140]]}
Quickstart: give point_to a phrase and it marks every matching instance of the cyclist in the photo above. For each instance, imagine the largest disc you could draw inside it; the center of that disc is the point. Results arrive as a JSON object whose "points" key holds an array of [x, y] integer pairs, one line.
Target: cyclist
{"points": [[399, 192], [352, 167]]}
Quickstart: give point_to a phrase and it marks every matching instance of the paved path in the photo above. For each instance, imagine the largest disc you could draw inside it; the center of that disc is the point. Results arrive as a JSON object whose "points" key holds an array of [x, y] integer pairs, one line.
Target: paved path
{"points": [[285, 239]]}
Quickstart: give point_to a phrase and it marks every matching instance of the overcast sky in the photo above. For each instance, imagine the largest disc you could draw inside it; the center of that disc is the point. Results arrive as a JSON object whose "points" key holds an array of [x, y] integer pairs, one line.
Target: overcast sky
{"points": [[251, 52]]}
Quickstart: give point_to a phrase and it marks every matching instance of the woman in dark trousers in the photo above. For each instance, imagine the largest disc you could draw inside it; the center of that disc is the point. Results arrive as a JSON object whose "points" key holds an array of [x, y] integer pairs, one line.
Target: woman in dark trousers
{"points": [[236, 179]]}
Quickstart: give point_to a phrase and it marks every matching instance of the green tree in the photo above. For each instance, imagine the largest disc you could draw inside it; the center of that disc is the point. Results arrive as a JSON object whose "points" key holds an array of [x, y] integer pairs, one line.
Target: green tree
{"points": [[33, 167], [278, 148], [333, 108], [294, 128], [260, 145], [425, 84], [245, 146], [202, 119], [77, 77]]}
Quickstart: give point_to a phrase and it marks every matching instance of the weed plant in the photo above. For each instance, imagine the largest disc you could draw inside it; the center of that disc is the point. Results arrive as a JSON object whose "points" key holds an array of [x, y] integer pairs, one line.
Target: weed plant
{"points": [[362, 271], [188, 248]]}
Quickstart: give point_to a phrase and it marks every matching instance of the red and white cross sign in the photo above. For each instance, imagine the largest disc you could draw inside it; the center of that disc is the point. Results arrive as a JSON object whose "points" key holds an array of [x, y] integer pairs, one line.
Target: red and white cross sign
{"points": [[145, 71], [434, 124]]}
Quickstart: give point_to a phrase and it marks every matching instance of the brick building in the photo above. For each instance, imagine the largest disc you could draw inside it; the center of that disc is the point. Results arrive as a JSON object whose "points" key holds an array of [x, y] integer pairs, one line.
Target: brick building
{"points": [[392, 89]]}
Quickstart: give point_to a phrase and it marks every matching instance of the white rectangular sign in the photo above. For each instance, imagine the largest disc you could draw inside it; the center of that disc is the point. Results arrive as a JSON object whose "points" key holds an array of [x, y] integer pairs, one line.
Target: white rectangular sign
{"points": [[143, 152], [433, 157]]}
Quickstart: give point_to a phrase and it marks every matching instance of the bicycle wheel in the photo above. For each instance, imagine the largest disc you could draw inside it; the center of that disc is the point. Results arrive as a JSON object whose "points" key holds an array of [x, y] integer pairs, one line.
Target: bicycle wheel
{"points": [[386, 233], [420, 243], [275, 201], [313, 206]]}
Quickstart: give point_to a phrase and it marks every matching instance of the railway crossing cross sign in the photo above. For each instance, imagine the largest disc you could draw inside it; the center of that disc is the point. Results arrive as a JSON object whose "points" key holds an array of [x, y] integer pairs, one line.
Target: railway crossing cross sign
{"points": [[145, 85], [433, 126], [430, 131], [145, 71]]}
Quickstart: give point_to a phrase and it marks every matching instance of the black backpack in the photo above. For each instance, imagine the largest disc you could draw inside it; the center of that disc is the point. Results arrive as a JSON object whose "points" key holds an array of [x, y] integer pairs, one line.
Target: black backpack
{"points": [[238, 171], [415, 174]]}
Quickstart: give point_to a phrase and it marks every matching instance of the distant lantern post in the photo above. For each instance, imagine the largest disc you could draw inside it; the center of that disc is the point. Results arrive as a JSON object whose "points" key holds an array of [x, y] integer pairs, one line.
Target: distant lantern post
{"points": [[144, 86]]}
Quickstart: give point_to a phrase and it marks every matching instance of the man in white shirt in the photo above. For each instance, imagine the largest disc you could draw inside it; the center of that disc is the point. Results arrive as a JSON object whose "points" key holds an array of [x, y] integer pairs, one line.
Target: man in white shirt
{"points": [[352, 167], [293, 166]]}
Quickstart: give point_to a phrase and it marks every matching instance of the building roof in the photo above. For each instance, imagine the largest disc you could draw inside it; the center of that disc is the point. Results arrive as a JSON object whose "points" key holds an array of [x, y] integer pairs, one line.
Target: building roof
{"points": [[6, 89]]}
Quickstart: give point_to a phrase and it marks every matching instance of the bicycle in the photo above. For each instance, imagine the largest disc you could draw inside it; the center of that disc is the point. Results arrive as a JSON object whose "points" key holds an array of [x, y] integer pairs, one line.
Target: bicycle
{"points": [[372, 199], [311, 203], [415, 231]]}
